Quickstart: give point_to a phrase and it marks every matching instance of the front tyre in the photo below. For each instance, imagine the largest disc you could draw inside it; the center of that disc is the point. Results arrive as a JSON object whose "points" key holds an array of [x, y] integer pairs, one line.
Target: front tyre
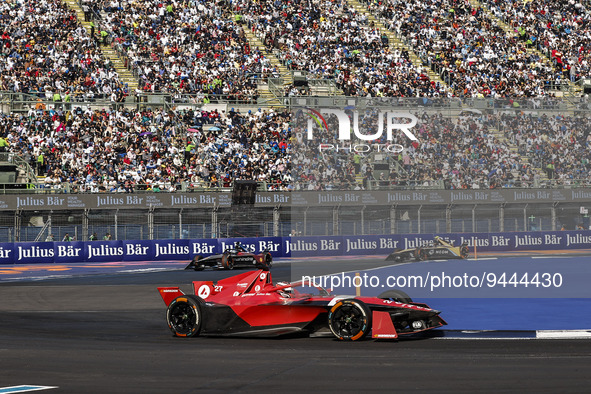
{"points": [[184, 316], [349, 320], [197, 265], [395, 295], [227, 262]]}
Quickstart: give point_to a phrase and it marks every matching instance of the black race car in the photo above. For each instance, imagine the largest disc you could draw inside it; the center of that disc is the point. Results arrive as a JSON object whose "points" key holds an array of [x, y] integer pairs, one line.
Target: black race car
{"points": [[237, 256], [440, 249]]}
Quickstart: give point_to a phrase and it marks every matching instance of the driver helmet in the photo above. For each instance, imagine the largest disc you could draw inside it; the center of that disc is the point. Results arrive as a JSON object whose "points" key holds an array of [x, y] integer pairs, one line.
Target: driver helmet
{"points": [[287, 292]]}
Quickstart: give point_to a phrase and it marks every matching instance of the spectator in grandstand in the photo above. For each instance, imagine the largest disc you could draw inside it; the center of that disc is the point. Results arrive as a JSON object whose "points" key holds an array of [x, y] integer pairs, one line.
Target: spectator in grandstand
{"points": [[3, 144], [331, 40], [559, 28], [50, 54], [195, 48], [123, 150], [469, 49]]}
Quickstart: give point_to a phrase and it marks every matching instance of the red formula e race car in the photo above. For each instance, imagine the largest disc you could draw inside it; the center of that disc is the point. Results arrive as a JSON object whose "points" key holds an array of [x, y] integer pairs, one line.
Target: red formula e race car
{"points": [[250, 304]]}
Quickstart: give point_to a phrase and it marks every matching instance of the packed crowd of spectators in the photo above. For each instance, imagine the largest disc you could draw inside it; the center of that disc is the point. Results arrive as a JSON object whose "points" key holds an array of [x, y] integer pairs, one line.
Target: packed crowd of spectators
{"points": [[561, 27], [451, 152], [129, 150], [558, 144], [469, 49], [126, 150], [199, 48], [470, 151], [330, 40], [194, 48], [47, 53]]}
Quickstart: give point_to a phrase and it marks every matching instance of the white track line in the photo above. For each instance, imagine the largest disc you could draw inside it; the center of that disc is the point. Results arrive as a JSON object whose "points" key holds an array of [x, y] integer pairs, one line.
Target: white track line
{"points": [[24, 388], [563, 334]]}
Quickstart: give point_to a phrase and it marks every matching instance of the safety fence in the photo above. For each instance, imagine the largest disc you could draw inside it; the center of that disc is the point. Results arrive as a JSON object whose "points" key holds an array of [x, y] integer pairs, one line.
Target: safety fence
{"points": [[153, 216]]}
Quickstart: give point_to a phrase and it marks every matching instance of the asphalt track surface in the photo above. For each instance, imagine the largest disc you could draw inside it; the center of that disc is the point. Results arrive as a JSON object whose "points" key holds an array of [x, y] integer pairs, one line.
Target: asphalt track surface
{"points": [[106, 333]]}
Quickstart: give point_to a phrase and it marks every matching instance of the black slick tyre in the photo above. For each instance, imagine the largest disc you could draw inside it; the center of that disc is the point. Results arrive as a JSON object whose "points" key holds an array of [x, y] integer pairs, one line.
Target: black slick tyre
{"points": [[464, 251], [185, 315], [420, 254], [227, 262], [395, 295], [349, 320], [197, 266]]}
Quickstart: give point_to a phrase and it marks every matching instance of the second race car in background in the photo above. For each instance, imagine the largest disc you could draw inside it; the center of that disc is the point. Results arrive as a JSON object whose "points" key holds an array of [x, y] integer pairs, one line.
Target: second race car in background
{"points": [[237, 256], [440, 249]]}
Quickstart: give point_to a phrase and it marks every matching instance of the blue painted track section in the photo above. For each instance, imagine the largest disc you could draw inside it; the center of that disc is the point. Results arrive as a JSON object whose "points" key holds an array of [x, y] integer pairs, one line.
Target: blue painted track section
{"points": [[508, 308], [512, 307], [519, 314]]}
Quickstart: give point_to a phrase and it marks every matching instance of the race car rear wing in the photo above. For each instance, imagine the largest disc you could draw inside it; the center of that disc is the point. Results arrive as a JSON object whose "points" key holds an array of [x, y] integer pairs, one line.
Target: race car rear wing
{"points": [[169, 293]]}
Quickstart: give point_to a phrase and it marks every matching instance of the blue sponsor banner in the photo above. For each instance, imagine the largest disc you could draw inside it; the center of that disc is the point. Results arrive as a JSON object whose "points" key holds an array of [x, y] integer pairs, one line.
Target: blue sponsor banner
{"points": [[203, 247], [68, 252], [103, 251], [138, 250], [186, 249], [275, 245], [315, 246], [171, 249], [35, 252], [479, 242], [7, 253]]}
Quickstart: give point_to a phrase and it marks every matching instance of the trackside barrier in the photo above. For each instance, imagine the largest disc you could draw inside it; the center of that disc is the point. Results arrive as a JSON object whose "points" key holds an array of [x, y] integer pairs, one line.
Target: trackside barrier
{"points": [[185, 249]]}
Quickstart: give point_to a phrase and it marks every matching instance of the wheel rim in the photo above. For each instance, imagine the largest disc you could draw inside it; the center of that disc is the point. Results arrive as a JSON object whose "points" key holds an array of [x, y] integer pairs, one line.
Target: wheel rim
{"points": [[348, 321], [465, 252], [183, 318]]}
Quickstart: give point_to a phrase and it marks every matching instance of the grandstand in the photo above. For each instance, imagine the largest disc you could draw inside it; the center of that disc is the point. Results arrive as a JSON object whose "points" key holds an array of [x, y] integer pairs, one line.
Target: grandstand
{"points": [[151, 97]]}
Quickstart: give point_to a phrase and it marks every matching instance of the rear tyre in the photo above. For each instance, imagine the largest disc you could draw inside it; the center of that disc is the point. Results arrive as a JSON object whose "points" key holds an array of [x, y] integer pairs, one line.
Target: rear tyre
{"points": [[420, 254], [184, 316], [464, 251], [395, 295], [227, 262], [267, 259], [349, 320]]}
